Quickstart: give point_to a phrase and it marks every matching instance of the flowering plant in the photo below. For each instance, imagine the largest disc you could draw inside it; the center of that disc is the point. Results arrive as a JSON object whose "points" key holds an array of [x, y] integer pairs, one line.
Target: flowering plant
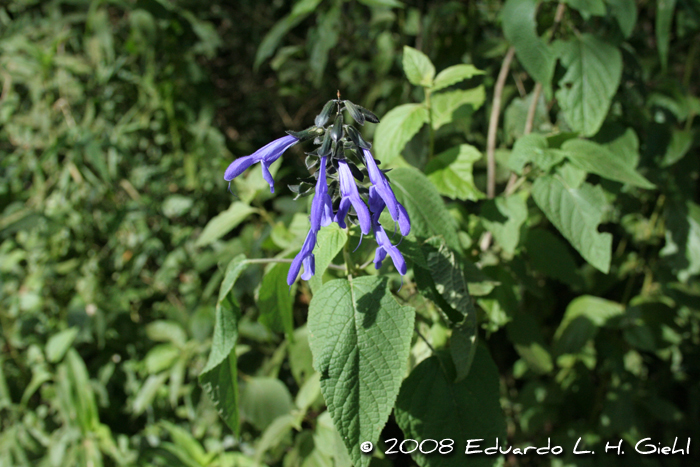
{"points": [[343, 156]]}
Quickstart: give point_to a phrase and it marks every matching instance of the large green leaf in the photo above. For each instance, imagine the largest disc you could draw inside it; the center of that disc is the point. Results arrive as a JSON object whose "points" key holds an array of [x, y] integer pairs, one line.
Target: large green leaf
{"points": [[360, 339], [451, 172], [444, 105], [397, 128], [301, 10], [597, 159], [576, 212], [520, 28], [425, 207], [453, 75], [418, 67], [224, 222], [275, 300], [219, 378], [594, 69], [329, 243], [431, 405]]}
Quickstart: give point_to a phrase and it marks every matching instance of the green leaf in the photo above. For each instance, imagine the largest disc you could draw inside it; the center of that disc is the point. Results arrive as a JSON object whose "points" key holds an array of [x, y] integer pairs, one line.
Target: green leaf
{"points": [[444, 105], [594, 69], [503, 217], [185, 444], [82, 394], [588, 8], [534, 148], [274, 435], [383, 3], [594, 158], [451, 172], [576, 212], [397, 128], [433, 406], [678, 147], [428, 214], [176, 205], [263, 400], [360, 339], [275, 300], [548, 254], [583, 317], [166, 331], [161, 357], [453, 75], [520, 28], [664, 18], [625, 13], [224, 222], [626, 148], [329, 243], [219, 378], [58, 344], [418, 67], [301, 10]]}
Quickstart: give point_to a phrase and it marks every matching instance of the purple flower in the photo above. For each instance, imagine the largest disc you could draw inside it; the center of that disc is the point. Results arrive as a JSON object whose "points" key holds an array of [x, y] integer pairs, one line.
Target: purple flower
{"points": [[350, 196], [306, 258], [266, 155], [384, 191], [385, 247], [321, 206]]}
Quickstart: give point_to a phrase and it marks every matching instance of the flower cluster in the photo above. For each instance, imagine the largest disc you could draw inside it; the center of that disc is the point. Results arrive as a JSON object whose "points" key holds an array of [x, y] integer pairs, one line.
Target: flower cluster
{"points": [[344, 157]]}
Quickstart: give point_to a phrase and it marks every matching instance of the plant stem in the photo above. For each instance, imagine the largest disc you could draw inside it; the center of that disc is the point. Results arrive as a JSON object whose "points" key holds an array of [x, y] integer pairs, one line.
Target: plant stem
{"points": [[493, 124]]}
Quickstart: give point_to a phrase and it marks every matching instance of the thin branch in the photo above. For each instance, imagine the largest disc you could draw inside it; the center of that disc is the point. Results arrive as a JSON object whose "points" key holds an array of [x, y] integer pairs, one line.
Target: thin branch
{"points": [[415, 328], [493, 125]]}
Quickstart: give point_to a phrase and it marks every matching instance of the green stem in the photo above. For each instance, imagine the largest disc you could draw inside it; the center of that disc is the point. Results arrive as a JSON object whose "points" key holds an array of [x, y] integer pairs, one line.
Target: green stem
{"points": [[346, 255]]}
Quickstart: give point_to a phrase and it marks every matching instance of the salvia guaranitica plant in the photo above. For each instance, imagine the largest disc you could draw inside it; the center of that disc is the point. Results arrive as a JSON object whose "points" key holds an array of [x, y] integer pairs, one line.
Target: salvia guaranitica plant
{"points": [[341, 162]]}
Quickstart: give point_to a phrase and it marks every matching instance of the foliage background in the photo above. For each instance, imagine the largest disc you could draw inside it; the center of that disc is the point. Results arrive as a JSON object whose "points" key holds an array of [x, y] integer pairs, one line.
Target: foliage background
{"points": [[118, 118]]}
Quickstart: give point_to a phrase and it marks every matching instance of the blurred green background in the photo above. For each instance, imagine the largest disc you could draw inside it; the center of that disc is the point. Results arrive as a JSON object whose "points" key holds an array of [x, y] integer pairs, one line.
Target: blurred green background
{"points": [[117, 120]]}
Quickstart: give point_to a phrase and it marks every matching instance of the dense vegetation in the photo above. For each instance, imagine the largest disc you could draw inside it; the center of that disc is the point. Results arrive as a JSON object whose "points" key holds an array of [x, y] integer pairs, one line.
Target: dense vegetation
{"points": [[547, 154]]}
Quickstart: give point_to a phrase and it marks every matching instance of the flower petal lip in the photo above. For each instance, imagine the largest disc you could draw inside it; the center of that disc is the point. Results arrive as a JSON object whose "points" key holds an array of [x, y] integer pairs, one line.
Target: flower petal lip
{"points": [[266, 154], [306, 250], [350, 195], [321, 207], [383, 241], [379, 180]]}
